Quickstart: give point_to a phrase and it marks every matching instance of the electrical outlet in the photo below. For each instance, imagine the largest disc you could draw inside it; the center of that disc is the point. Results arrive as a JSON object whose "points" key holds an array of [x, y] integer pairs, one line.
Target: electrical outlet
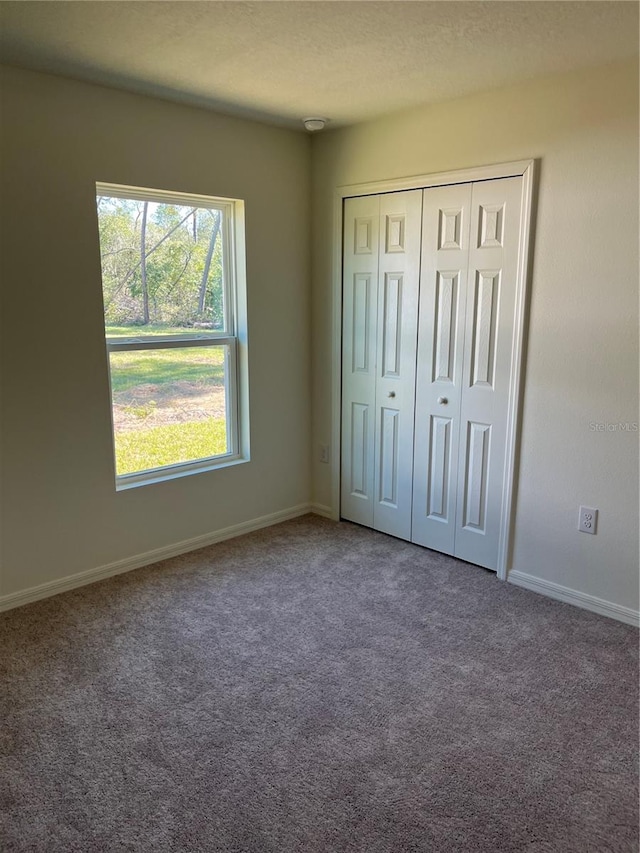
{"points": [[324, 453], [588, 519]]}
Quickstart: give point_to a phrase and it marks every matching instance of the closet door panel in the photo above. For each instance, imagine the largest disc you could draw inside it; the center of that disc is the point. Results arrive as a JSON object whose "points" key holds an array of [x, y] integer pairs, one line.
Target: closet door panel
{"points": [[488, 333], [360, 321], [439, 377], [398, 279]]}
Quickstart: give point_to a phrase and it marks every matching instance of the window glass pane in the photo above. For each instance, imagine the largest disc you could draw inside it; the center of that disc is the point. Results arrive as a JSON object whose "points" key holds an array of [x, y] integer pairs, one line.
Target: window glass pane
{"points": [[169, 406], [162, 267]]}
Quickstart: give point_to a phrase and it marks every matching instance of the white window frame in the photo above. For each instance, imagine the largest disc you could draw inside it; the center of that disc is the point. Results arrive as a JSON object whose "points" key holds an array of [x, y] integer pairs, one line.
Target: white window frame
{"points": [[233, 336]]}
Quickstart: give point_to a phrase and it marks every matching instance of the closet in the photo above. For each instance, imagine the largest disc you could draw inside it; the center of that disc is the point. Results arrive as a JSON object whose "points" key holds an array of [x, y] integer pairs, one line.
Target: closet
{"points": [[429, 313]]}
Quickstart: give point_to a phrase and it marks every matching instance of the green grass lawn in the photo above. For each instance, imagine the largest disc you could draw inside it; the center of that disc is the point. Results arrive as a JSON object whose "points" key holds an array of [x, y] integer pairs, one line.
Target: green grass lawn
{"points": [[148, 382], [163, 367], [155, 330], [140, 450], [197, 365]]}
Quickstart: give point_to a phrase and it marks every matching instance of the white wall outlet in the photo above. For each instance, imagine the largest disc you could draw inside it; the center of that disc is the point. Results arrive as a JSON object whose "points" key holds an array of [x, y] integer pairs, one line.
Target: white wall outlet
{"points": [[588, 519], [324, 453]]}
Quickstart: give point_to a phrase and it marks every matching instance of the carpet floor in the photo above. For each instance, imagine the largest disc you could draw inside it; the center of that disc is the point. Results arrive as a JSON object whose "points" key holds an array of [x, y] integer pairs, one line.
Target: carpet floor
{"points": [[316, 688]]}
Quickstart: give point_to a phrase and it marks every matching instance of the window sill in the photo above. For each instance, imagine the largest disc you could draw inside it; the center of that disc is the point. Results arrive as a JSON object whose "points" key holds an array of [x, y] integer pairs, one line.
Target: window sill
{"points": [[160, 475]]}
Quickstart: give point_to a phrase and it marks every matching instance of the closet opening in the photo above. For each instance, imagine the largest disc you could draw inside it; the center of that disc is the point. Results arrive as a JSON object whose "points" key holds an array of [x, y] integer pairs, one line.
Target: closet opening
{"points": [[432, 296]]}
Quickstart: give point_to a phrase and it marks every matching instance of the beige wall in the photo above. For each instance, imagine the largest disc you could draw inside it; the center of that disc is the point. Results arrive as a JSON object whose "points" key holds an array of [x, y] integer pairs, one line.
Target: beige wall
{"points": [[582, 359], [61, 513]]}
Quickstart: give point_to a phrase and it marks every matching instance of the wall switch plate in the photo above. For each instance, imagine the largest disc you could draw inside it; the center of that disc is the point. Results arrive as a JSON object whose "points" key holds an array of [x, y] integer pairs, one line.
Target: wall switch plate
{"points": [[588, 519], [324, 453]]}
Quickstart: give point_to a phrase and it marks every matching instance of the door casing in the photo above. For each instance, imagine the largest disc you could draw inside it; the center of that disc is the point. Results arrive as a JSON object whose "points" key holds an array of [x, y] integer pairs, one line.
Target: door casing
{"points": [[527, 169]]}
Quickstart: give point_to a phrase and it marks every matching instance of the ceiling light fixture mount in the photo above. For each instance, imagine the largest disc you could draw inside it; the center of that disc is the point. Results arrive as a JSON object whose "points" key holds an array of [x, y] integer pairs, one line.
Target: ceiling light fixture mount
{"points": [[314, 124]]}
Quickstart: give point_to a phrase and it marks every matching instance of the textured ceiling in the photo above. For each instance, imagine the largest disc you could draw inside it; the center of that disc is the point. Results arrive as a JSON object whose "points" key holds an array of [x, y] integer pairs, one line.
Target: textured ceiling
{"points": [[279, 61]]}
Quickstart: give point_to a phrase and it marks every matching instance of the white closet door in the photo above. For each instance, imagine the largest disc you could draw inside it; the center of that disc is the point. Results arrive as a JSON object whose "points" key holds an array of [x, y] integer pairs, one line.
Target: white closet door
{"points": [[425, 410], [398, 280], [489, 331], [359, 337], [443, 282]]}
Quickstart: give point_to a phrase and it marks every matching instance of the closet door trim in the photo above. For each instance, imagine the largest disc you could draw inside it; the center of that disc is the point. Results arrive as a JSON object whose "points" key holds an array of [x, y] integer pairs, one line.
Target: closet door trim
{"points": [[527, 169]]}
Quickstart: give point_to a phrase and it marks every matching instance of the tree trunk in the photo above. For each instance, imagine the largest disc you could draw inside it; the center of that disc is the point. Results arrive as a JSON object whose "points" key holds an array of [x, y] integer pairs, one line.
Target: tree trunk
{"points": [[143, 265], [207, 264]]}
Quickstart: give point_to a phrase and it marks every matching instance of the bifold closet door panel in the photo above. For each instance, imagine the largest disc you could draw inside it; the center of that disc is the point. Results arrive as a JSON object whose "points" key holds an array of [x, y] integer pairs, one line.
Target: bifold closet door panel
{"points": [[425, 395], [445, 257], [398, 281], [359, 341], [496, 212]]}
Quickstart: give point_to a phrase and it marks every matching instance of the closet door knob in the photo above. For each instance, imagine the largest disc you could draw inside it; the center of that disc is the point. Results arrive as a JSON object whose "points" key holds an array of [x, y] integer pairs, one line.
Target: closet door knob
{"points": [[443, 401], [391, 394]]}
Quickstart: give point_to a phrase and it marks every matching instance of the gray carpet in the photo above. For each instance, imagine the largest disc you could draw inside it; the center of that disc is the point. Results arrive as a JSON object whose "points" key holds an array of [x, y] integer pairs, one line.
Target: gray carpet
{"points": [[319, 688]]}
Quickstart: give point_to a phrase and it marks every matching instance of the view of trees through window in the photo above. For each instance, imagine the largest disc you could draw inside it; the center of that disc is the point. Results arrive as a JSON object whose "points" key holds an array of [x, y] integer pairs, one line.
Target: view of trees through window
{"points": [[163, 281], [161, 264]]}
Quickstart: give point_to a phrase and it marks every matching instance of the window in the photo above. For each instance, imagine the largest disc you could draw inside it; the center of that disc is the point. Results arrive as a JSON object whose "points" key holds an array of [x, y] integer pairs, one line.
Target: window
{"points": [[175, 327]]}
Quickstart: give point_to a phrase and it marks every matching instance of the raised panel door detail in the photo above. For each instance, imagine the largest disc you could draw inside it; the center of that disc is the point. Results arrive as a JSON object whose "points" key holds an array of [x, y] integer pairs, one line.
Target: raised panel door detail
{"points": [[491, 226], [359, 444], [450, 229], [361, 322], [394, 241], [392, 325], [485, 315], [444, 326], [476, 466], [359, 358], [439, 373], [439, 468], [362, 235], [389, 423]]}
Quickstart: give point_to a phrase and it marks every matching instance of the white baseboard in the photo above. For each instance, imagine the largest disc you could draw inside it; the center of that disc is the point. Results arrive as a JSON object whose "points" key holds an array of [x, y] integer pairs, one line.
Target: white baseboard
{"points": [[324, 511], [45, 590], [573, 596]]}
